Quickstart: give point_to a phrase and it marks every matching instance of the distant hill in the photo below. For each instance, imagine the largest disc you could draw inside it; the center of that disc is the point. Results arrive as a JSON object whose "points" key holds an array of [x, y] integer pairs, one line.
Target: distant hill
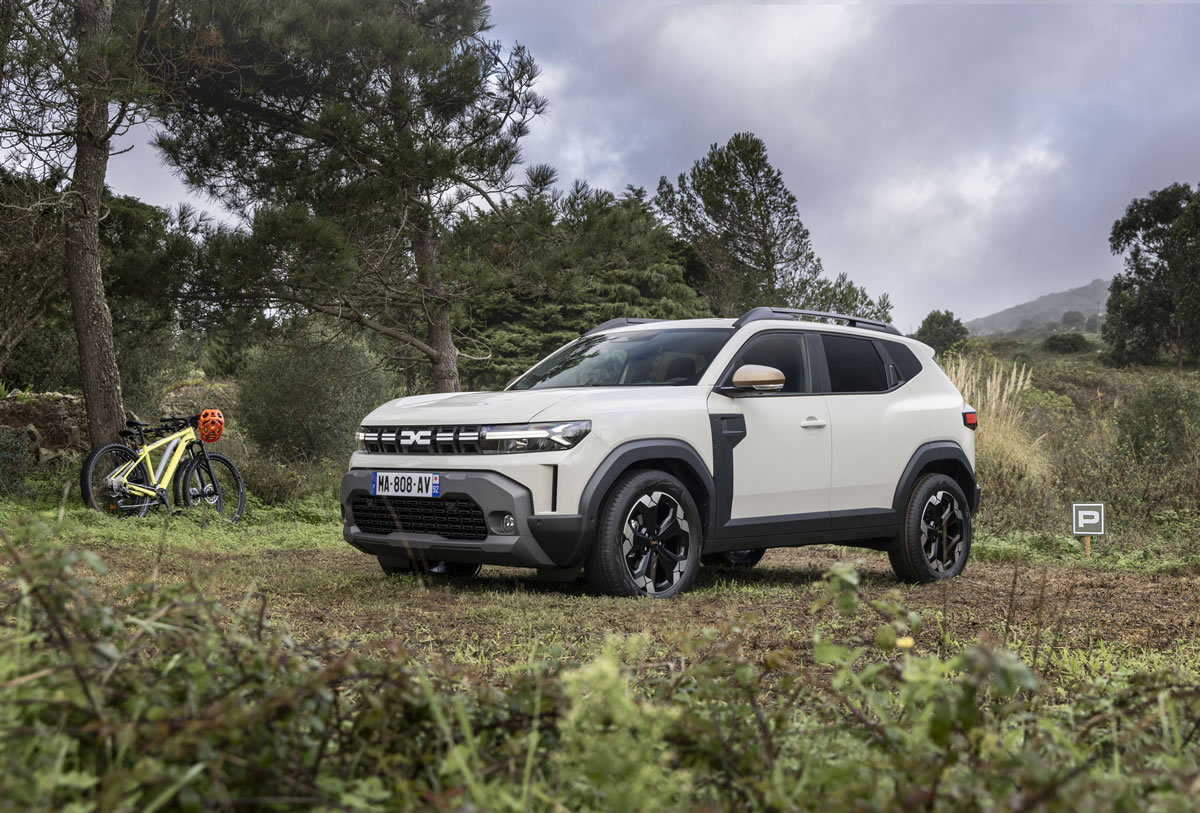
{"points": [[1088, 300]]}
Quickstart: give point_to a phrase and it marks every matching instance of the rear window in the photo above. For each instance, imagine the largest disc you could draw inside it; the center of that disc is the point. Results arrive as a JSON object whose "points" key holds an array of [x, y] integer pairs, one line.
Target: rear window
{"points": [[854, 365], [904, 358]]}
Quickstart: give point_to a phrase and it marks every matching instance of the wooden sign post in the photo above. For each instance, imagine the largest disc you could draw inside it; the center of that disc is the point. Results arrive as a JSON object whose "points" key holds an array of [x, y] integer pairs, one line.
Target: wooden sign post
{"points": [[1087, 520]]}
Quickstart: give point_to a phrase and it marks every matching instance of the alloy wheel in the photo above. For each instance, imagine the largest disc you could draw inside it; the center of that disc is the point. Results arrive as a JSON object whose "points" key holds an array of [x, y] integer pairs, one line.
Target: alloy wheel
{"points": [[942, 531], [656, 542]]}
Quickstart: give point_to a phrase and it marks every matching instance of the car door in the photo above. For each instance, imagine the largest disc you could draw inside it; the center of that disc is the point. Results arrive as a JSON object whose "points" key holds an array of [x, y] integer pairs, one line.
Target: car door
{"points": [[776, 445], [874, 425]]}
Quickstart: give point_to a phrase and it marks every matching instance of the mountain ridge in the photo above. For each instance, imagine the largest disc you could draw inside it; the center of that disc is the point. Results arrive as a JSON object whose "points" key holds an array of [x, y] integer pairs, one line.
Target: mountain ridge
{"points": [[1087, 299]]}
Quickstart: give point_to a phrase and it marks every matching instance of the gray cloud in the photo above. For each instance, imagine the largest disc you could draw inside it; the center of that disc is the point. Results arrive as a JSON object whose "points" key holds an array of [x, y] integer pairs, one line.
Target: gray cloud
{"points": [[968, 157], [962, 157]]}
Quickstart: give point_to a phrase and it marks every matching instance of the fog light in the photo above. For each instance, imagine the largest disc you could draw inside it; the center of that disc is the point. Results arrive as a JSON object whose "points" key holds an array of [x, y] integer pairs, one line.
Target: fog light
{"points": [[508, 524]]}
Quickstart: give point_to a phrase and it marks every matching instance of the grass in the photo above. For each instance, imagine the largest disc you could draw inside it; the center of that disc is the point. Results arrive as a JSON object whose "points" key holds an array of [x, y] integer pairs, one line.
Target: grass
{"points": [[695, 671], [320, 589]]}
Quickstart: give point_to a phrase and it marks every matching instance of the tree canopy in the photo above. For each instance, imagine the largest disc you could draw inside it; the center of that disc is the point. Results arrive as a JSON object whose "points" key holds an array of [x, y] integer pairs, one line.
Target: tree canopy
{"points": [[1154, 306], [1074, 320], [69, 85], [735, 211], [941, 330], [373, 166], [580, 258], [356, 147]]}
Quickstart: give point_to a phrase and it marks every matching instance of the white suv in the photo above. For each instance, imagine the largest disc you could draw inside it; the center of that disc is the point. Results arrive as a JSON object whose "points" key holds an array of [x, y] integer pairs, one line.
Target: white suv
{"points": [[644, 448]]}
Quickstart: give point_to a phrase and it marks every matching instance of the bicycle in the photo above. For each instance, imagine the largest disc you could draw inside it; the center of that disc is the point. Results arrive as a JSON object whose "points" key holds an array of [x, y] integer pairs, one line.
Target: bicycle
{"points": [[118, 479]]}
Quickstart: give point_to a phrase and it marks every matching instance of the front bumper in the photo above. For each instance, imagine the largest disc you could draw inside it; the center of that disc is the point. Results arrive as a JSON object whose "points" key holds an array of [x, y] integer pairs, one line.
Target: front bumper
{"points": [[547, 541]]}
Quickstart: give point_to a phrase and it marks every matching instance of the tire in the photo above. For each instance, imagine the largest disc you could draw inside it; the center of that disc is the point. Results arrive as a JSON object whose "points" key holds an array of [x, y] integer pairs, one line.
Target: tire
{"points": [[101, 462], [625, 559], [740, 559], [216, 487], [395, 567], [935, 539], [177, 480]]}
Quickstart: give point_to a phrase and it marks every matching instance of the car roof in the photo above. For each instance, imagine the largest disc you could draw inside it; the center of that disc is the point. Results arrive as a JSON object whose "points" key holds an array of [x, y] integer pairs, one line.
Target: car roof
{"points": [[763, 325]]}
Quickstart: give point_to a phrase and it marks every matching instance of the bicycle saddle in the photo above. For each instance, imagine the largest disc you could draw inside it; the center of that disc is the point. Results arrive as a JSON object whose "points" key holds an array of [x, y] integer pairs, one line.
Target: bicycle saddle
{"points": [[132, 424]]}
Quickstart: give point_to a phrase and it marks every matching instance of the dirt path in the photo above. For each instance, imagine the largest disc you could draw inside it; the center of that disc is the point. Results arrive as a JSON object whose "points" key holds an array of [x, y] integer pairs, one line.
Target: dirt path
{"points": [[505, 615]]}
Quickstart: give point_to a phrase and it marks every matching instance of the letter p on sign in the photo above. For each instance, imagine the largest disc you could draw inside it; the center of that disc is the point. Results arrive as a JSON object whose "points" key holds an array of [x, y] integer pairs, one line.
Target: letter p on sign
{"points": [[1087, 519]]}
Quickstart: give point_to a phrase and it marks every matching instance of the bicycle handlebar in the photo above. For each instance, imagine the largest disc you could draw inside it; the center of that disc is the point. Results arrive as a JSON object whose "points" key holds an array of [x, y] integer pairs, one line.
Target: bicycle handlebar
{"points": [[173, 423]]}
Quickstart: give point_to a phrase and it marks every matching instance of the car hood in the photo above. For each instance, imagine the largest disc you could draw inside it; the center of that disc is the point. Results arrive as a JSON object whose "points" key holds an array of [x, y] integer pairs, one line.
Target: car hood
{"points": [[467, 408]]}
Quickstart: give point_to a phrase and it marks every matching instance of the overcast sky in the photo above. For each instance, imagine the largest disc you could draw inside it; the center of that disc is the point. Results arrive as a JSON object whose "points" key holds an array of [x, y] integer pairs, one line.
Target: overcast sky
{"points": [[955, 156]]}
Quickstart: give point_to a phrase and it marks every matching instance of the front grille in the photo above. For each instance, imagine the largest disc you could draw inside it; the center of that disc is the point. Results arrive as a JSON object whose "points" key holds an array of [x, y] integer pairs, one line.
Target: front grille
{"points": [[448, 517], [421, 439]]}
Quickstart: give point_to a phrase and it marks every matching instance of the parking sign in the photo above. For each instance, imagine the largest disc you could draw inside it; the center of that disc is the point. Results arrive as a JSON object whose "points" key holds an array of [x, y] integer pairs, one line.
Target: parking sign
{"points": [[1087, 519]]}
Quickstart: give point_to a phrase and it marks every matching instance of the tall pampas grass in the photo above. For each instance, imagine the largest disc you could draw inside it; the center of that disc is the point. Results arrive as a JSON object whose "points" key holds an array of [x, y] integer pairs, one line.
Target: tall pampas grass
{"points": [[1010, 459]]}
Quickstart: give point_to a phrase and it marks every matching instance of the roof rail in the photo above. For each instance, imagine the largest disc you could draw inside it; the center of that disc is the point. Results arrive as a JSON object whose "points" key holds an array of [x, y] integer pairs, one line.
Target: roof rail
{"points": [[622, 321], [756, 314]]}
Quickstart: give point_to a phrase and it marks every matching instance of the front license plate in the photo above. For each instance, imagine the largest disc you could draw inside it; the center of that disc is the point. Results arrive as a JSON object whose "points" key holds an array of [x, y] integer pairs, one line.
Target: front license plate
{"points": [[405, 484]]}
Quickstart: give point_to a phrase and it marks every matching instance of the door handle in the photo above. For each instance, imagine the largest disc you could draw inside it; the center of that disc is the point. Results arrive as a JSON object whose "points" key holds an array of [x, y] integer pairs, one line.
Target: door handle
{"points": [[812, 422]]}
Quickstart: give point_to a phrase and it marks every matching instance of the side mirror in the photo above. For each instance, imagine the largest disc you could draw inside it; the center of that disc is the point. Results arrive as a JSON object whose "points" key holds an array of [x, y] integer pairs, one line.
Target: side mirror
{"points": [[758, 378]]}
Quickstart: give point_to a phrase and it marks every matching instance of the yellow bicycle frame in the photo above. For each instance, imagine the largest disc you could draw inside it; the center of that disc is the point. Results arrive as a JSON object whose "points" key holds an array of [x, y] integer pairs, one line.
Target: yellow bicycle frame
{"points": [[158, 477]]}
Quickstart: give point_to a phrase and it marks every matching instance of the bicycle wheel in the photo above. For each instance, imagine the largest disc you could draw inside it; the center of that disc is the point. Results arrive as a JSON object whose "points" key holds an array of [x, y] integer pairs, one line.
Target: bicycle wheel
{"points": [[98, 491], [214, 485]]}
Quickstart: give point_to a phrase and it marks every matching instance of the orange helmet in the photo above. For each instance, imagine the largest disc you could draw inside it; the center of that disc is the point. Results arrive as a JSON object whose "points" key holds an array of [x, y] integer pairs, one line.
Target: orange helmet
{"points": [[211, 425]]}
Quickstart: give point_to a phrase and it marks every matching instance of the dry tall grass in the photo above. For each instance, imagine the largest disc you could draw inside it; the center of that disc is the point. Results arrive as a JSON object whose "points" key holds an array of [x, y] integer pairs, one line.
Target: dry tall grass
{"points": [[1010, 459]]}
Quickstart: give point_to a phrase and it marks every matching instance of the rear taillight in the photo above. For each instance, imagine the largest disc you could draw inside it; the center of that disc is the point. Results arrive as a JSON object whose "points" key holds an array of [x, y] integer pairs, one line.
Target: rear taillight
{"points": [[970, 418]]}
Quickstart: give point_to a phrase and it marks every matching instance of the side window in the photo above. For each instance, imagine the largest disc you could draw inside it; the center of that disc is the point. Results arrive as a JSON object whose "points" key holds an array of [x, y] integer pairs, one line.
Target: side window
{"points": [[904, 358], [786, 352], [854, 364]]}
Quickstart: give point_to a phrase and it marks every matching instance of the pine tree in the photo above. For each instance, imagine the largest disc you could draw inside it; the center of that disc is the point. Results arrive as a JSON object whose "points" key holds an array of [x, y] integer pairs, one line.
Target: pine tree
{"points": [[67, 88], [356, 146], [739, 217], [578, 260]]}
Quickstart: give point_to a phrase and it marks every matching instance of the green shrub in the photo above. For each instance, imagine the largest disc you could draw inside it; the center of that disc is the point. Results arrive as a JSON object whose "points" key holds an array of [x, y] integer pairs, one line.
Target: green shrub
{"points": [[1045, 403], [166, 700], [1142, 458], [975, 348], [1162, 423], [302, 396], [1066, 343], [150, 361], [278, 483], [46, 360]]}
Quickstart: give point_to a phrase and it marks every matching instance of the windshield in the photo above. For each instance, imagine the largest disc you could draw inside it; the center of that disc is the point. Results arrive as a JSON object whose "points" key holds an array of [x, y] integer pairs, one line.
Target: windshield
{"points": [[642, 358]]}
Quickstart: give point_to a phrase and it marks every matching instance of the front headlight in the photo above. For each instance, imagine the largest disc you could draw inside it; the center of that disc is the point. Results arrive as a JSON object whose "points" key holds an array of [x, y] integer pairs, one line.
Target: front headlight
{"points": [[532, 437]]}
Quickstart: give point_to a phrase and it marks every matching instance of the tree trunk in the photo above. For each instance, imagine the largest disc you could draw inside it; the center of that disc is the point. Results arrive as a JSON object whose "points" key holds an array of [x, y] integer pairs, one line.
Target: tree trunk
{"points": [[445, 365], [93, 322], [441, 338]]}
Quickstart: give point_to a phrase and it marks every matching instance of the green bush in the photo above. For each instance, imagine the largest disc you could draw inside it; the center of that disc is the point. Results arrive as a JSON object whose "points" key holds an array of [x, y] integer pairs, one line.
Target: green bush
{"points": [[166, 700], [302, 396], [1066, 343], [46, 360], [1162, 423], [278, 483], [150, 361]]}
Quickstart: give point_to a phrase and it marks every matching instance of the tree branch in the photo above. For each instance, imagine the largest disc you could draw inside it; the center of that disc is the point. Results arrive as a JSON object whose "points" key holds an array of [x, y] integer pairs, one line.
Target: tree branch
{"points": [[353, 315]]}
